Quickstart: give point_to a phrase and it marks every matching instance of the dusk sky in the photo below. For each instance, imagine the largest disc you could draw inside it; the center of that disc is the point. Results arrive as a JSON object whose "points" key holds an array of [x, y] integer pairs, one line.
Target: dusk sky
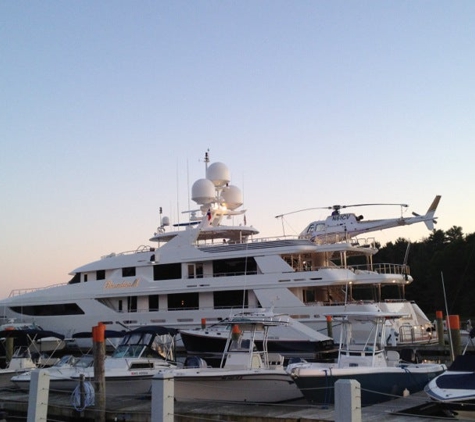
{"points": [[109, 107]]}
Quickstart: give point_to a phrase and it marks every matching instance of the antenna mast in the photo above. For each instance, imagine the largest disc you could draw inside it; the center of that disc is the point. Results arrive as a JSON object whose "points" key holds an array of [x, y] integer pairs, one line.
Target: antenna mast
{"points": [[206, 159]]}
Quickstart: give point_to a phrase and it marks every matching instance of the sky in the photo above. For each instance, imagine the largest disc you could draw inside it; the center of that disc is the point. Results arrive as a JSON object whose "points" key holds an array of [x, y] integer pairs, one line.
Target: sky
{"points": [[107, 110]]}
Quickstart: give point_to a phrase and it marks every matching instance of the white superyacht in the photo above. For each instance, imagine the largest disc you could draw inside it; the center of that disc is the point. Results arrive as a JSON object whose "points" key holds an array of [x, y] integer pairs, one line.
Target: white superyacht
{"points": [[215, 266]]}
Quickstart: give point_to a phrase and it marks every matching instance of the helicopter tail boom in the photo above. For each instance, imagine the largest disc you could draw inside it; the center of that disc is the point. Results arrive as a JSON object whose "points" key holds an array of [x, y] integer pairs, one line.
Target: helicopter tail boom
{"points": [[429, 219]]}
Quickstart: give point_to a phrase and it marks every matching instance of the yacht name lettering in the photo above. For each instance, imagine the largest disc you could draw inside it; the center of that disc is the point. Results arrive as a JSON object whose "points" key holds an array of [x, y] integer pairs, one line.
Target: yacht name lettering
{"points": [[124, 285], [341, 217]]}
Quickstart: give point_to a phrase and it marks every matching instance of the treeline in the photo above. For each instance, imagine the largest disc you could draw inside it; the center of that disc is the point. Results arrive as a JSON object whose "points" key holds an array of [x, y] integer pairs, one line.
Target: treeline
{"points": [[443, 259]]}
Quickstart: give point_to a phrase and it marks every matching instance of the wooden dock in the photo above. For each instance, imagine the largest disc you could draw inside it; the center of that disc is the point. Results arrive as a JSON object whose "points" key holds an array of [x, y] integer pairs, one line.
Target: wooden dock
{"points": [[138, 409]]}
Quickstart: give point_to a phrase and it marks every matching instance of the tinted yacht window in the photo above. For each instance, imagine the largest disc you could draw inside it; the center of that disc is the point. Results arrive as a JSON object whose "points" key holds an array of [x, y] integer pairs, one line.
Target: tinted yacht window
{"points": [[128, 272]]}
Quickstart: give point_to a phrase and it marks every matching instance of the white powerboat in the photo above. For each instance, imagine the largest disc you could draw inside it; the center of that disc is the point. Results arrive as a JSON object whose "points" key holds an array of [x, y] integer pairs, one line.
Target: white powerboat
{"points": [[212, 267], [25, 355], [59, 374], [128, 371], [246, 373], [382, 374]]}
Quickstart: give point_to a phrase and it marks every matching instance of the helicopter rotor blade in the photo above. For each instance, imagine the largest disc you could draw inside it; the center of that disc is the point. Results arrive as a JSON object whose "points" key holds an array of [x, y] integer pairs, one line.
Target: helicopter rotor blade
{"points": [[368, 205], [305, 209], [336, 208]]}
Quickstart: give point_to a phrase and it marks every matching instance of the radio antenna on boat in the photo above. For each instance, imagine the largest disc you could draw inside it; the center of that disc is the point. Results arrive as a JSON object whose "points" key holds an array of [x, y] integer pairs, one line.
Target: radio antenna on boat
{"points": [[449, 329]]}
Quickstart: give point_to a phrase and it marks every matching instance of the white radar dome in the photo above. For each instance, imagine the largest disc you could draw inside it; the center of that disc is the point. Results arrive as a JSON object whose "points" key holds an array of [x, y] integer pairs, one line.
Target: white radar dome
{"points": [[232, 197], [203, 191], [165, 221], [219, 174]]}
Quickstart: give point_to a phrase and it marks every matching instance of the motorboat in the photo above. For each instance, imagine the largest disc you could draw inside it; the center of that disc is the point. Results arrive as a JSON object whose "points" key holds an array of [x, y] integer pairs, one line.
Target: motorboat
{"points": [[128, 371], [37, 342], [214, 265], [69, 364], [59, 374], [454, 390], [245, 374], [381, 373], [139, 355], [288, 338], [25, 356]]}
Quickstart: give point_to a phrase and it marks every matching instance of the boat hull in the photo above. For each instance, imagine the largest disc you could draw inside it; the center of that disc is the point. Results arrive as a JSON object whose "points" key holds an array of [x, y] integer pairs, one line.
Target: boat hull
{"points": [[126, 385], [260, 386], [378, 384], [455, 391], [5, 376]]}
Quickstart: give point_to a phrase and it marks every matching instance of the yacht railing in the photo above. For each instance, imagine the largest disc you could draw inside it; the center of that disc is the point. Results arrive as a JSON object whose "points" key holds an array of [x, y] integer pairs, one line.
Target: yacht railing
{"points": [[140, 249], [409, 334], [383, 268], [18, 292]]}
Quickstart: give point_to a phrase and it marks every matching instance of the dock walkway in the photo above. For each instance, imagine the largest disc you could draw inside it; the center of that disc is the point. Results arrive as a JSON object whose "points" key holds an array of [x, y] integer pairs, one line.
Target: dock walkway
{"points": [[15, 403]]}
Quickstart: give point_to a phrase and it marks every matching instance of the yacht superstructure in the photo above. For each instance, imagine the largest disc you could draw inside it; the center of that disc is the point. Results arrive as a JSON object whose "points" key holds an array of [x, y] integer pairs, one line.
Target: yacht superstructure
{"points": [[207, 269]]}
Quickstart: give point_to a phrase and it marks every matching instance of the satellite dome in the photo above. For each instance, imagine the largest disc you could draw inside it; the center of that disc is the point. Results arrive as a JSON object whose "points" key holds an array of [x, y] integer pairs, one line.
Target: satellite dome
{"points": [[232, 197], [219, 174], [165, 221], [203, 191]]}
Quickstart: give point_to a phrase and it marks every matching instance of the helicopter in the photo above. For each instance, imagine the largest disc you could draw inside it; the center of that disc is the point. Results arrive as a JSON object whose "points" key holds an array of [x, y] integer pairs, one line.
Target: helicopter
{"points": [[338, 227]]}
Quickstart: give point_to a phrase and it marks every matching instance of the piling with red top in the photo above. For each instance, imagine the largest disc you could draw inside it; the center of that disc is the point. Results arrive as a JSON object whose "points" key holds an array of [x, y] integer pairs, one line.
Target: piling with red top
{"points": [[453, 327], [99, 350]]}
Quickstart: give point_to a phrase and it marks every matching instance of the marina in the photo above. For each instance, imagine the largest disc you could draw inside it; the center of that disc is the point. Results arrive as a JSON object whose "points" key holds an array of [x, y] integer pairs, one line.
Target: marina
{"points": [[265, 304]]}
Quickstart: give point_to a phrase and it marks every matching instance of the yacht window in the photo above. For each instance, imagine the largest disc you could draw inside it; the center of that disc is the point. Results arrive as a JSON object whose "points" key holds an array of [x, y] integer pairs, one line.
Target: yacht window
{"points": [[100, 274], [236, 266], [85, 277], [153, 303], [230, 299], [166, 271], [128, 272], [195, 270], [183, 301], [48, 310], [75, 279], [132, 303]]}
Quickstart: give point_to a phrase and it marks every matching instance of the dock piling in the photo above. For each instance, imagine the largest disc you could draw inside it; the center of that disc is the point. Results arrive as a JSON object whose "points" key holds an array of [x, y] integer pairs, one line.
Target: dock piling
{"points": [[39, 395], [163, 396], [347, 401]]}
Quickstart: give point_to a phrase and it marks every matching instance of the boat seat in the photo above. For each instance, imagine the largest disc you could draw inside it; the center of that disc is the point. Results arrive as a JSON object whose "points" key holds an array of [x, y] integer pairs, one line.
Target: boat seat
{"points": [[275, 360], [392, 357]]}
